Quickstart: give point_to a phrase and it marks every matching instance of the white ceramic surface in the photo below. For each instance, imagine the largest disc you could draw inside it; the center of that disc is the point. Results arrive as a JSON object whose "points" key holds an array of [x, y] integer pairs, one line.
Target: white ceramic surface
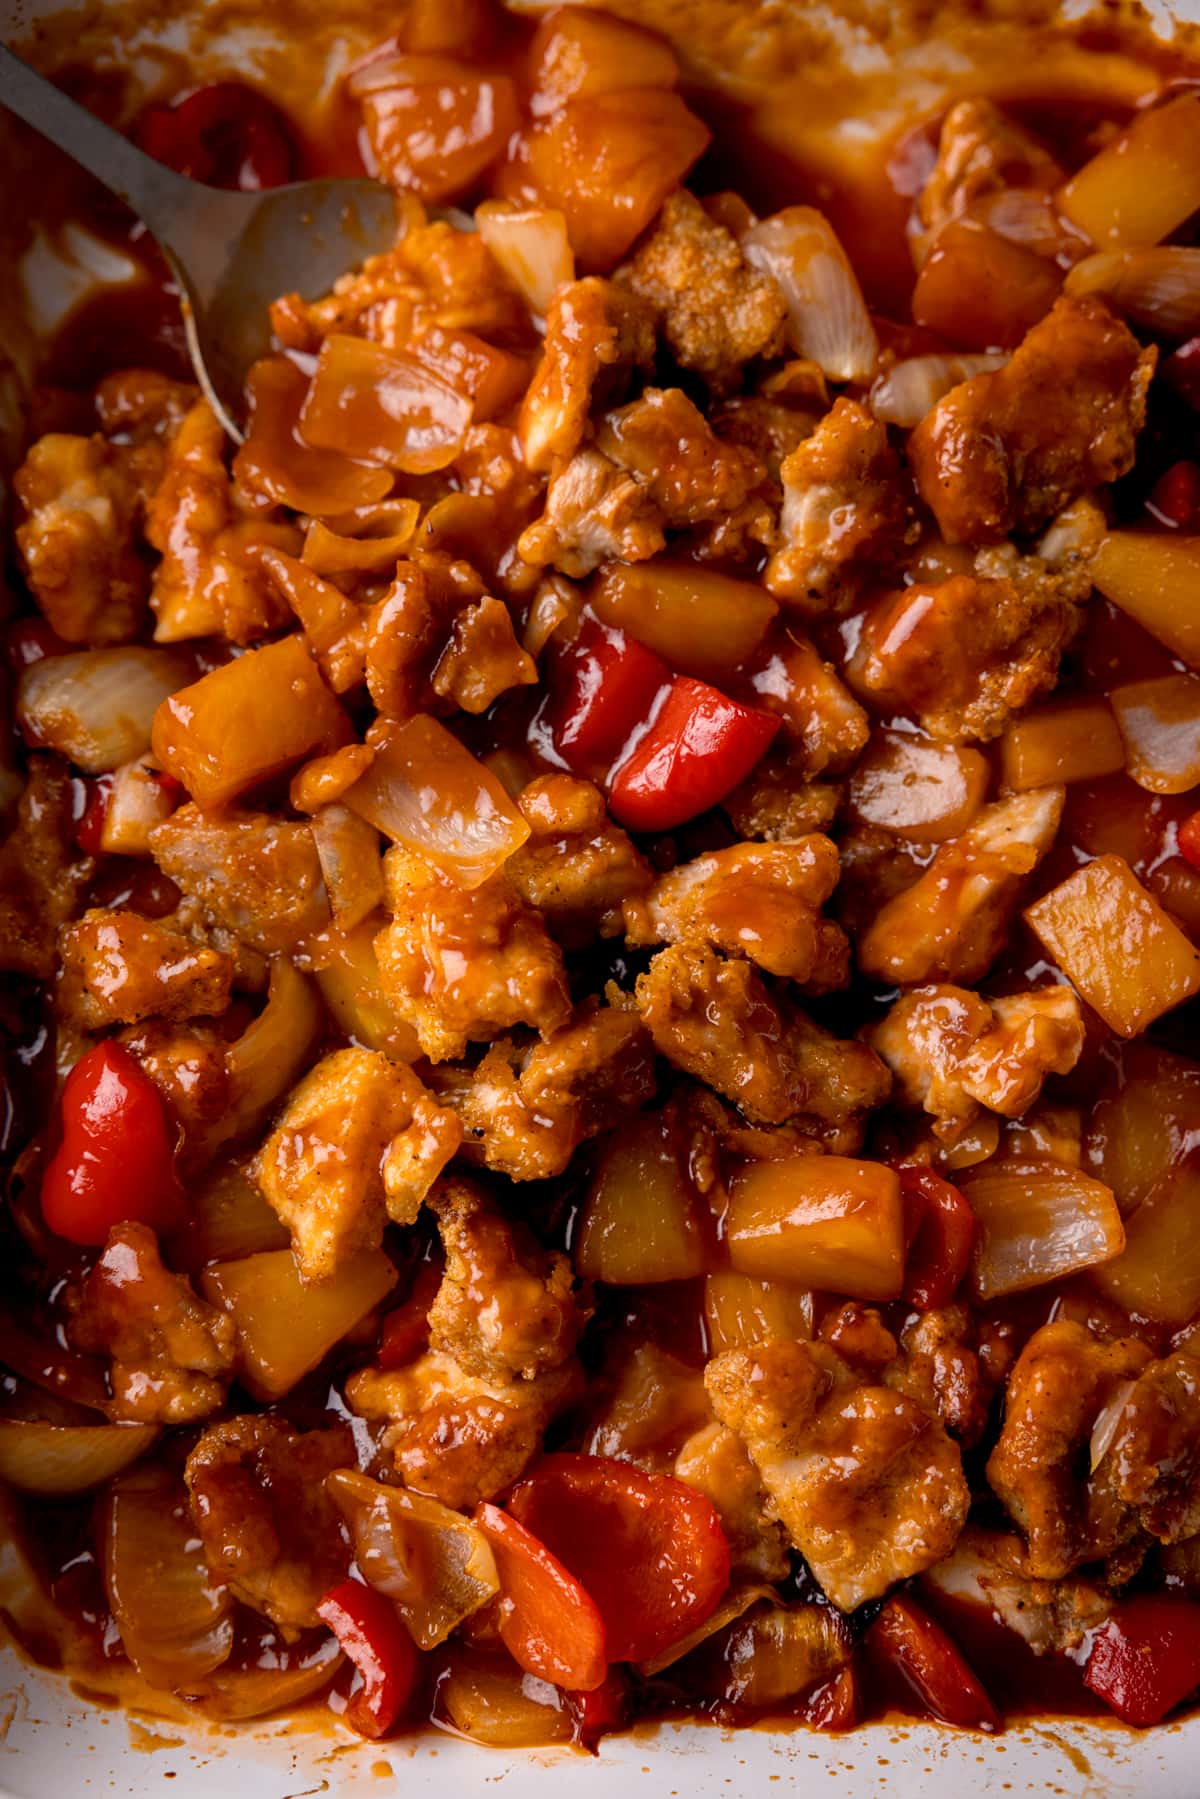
{"points": [[54, 1746]]}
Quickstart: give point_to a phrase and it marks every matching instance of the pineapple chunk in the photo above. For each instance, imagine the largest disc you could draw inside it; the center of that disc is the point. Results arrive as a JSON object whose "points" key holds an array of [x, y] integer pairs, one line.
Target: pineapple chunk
{"points": [[819, 1221]]}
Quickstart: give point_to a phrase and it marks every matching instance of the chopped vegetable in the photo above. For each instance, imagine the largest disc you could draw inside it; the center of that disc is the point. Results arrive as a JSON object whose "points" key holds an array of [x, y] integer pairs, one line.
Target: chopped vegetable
{"points": [[530, 244], [1037, 1221], [908, 1639], [382, 406], [926, 792], [372, 1634], [436, 1566], [433, 125], [1157, 1274], [1124, 955], [1158, 289], [276, 462], [642, 1220], [248, 720], [1068, 740], [740, 1311], [1139, 188], [58, 1458], [700, 622], [1145, 1658], [1155, 578], [426, 791], [1159, 721], [284, 1327], [649, 1550], [97, 707], [981, 291], [116, 1159], [940, 1230], [548, 1623], [697, 746], [827, 315], [819, 1221], [492, 1701], [603, 686]]}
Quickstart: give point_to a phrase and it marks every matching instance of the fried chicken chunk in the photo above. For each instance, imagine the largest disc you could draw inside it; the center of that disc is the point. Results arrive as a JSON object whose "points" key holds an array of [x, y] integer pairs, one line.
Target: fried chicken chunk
{"points": [[596, 333], [952, 922], [868, 1485], [42, 876], [1006, 450], [462, 967], [359, 1141], [84, 500], [270, 1532], [761, 901], [717, 1021], [257, 875], [172, 1354], [953, 1052], [577, 868], [845, 510], [118, 968], [464, 1420], [715, 311]]}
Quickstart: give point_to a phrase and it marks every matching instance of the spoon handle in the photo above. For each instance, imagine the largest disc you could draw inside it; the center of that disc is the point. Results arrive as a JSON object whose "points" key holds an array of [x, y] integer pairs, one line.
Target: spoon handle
{"points": [[154, 192]]}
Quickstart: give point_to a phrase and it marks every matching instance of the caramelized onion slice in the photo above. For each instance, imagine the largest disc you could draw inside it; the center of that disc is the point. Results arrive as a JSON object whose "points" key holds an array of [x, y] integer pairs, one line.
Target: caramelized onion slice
{"points": [[903, 394], [384, 406], [531, 245], [489, 1699], [231, 1694], [266, 1059], [434, 1563], [1158, 288], [276, 464], [426, 791], [1038, 1221], [737, 1601], [827, 313], [57, 1458], [96, 707], [175, 1625]]}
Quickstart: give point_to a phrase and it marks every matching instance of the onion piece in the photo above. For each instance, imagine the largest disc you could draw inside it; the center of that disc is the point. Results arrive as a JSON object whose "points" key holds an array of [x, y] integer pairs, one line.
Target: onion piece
{"points": [[275, 463], [56, 1458], [531, 245], [1105, 1427], [231, 1694], [1157, 1276], [432, 1562], [96, 707], [737, 1601], [926, 792], [490, 1700], [1158, 288], [1159, 721], [52, 1636], [140, 798], [329, 552], [265, 1060], [903, 394], [286, 1328], [351, 864], [427, 792], [175, 1625], [780, 1652], [828, 316], [553, 604], [384, 406], [1038, 1221]]}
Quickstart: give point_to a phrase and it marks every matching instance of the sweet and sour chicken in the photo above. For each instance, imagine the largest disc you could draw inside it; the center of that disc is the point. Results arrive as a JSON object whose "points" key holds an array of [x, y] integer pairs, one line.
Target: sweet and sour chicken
{"points": [[601, 927]]}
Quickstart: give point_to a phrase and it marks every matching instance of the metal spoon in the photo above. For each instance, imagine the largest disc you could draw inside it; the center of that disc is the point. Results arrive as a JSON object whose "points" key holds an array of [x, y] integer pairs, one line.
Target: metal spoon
{"points": [[231, 253]]}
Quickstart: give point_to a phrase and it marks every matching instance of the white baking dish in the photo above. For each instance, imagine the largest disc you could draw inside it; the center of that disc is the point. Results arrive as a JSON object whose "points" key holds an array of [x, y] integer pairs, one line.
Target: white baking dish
{"points": [[54, 1745]]}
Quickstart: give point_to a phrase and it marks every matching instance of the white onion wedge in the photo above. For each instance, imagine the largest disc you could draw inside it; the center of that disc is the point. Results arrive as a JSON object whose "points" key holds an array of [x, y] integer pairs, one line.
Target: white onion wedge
{"points": [[1158, 288], [265, 1060], [68, 1458], [903, 394], [827, 314], [96, 707], [531, 245], [1038, 1221]]}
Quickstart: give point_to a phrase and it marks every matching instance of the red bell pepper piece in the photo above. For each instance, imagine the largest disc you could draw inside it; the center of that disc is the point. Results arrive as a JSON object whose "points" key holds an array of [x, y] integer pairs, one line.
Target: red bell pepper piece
{"points": [[225, 134], [906, 1637], [405, 1331], [941, 1231], [116, 1160], [90, 828], [374, 1636], [1182, 370], [1175, 497], [835, 1705], [697, 747], [548, 1622], [1145, 1658], [649, 1550], [602, 687], [1187, 838], [604, 1709], [30, 640]]}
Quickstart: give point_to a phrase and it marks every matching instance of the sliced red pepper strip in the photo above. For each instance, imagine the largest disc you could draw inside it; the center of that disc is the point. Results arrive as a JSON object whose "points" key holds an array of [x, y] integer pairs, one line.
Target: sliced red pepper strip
{"points": [[1175, 497], [907, 1638], [1145, 1658], [697, 747], [548, 1622], [225, 134], [1182, 371], [835, 1705], [374, 1637], [604, 1709], [116, 1160], [602, 687], [649, 1550], [942, 1235], [1187, 838]]}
